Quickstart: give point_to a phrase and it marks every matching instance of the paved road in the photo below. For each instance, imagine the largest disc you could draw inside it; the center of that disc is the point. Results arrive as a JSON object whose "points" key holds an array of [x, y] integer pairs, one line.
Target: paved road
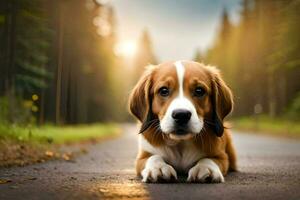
{"points": [[270, 169]]}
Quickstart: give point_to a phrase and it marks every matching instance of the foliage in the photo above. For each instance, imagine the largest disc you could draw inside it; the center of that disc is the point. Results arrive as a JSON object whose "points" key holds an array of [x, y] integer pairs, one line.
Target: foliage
{"points": [[31, 46], [25, 36], [65, 62], [16, 111], [198, 57], [259, 56], [293, 111], [144, 56], [70, 64]]}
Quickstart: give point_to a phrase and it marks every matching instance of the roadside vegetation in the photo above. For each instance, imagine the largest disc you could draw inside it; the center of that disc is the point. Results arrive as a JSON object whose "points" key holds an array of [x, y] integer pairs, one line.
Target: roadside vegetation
{"points": [[49, 134], [24, 140], [282, 127], [20, 145]]}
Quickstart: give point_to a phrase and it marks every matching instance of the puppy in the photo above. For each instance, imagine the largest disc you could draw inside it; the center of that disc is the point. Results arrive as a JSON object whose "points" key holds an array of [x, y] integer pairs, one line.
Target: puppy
{"points": [[181, 106]]}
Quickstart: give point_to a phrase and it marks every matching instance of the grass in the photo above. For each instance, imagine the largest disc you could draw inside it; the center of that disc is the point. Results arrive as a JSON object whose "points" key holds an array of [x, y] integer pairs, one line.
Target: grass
{"points": [[58, 134], [21, 146], [264, 124]]}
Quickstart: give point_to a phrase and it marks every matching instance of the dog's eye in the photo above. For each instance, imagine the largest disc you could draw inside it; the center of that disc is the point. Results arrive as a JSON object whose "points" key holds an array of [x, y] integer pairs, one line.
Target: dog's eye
{"points": [[199, 92], [164, 92]]}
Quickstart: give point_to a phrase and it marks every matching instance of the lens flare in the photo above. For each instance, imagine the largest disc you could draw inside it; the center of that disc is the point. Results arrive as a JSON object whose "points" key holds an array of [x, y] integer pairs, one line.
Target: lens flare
{"points": [[126, 48]]}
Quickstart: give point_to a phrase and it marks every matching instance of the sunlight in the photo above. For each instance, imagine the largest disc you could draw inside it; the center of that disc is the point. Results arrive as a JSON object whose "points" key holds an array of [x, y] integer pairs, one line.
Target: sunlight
{"points": [[126, 48], [102, 2]]}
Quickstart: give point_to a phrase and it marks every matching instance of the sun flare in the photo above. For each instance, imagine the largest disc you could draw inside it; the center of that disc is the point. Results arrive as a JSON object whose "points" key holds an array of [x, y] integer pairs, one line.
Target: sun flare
{"points": [[126, 48]]}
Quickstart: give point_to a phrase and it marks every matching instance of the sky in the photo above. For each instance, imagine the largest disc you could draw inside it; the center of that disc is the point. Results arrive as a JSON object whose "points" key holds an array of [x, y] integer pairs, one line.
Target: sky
{"points": [[177, 27]]}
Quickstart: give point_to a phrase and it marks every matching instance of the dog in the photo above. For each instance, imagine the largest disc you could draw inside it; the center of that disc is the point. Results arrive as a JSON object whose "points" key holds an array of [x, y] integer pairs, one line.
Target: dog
{"points": [[181, 107]]}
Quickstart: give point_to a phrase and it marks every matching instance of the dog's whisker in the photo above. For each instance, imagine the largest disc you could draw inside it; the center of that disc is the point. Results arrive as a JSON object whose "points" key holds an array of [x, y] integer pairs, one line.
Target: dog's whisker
{"points": [[156, 129], [212, 123]]}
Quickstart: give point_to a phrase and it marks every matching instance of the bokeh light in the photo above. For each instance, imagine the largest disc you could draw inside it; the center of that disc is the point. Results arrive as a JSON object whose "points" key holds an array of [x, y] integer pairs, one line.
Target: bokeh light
{"points": [[126, 48]]}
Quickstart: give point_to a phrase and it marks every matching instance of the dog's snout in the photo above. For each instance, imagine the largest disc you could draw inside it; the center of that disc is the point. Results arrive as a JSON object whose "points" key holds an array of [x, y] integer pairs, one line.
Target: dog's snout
{"points": [[181, 116]]}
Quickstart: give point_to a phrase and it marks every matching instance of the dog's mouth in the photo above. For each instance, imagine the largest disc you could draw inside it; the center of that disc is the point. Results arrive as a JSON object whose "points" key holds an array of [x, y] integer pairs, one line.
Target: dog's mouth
{"points": [[177, 137], [181, 130], [181, 133]]}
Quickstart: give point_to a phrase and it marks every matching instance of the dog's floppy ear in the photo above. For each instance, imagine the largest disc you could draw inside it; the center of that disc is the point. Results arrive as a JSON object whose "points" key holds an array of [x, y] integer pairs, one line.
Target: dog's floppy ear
{"points": [[140, 99], [222, 101]]}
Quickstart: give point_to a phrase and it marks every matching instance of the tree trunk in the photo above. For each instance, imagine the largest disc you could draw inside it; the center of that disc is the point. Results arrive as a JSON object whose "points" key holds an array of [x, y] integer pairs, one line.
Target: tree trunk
{"points": [[59, 63], [271, 94], [42, 107], [10, 32]]}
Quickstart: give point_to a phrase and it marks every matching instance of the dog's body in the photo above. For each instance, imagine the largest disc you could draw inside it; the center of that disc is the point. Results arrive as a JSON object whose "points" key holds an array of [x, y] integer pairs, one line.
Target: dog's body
{"points": [[181, 107]]}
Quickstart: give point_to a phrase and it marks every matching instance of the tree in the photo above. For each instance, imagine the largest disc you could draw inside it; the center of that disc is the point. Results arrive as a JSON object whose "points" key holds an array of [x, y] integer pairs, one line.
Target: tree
{"points": [[25, 35], [144, 56], [259, 56], [67, 64], [82, 54], [198, 56]]}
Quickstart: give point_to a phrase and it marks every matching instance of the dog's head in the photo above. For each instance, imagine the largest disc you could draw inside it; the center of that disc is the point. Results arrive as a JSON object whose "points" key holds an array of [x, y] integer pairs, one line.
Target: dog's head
{"points": [[181, 99]]}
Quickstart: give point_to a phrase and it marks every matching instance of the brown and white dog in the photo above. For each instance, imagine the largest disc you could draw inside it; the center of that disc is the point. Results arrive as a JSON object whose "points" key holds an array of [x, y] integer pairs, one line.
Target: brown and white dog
{"points": [[181, 106]]}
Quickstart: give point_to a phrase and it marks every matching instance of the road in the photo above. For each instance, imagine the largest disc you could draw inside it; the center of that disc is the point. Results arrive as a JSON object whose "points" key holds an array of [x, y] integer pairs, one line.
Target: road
{"points": [[269, 169]]}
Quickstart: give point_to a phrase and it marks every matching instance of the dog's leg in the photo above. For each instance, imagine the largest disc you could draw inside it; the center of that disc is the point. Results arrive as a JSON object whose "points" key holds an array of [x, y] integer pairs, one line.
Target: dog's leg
{"points": [[153, 167], [209, 169]]}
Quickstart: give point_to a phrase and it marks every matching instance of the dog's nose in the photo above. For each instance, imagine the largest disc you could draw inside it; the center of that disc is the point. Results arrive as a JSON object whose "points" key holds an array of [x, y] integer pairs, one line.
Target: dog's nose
{"points": [[181, 116]]}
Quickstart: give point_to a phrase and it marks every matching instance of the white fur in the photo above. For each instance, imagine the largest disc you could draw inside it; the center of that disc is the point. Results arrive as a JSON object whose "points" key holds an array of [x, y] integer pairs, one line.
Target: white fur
{"points": [[181, 102], [180, 75], [206, 168], [156, 168], [181, 155]]}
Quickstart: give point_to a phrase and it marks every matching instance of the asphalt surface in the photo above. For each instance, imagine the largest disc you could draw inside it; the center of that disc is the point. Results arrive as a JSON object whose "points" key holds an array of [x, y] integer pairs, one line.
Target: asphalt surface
{"points": [[269, 169]]}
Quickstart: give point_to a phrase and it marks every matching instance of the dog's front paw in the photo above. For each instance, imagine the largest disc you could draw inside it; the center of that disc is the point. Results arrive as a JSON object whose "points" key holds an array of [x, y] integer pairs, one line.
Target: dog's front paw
{"points": [[156, 168], [206, 170]]}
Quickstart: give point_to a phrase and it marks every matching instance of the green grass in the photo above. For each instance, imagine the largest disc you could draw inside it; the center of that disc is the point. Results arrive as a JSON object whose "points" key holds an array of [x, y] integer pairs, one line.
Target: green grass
{"points": [[264, 124], [58, 134]]}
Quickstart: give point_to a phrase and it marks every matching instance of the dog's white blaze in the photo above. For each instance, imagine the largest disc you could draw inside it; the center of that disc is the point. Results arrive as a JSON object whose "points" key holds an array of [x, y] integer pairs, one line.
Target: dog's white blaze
{"points": [[181, 102], [180, 74]]}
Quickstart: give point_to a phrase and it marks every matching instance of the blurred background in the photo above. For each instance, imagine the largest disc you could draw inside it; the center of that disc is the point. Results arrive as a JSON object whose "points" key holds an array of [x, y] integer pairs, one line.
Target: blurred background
{"points": [[66, 62]]}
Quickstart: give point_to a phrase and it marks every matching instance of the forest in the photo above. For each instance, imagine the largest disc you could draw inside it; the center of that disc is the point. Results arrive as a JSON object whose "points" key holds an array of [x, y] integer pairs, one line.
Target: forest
{"points": [[59, 63], [260, 59]]}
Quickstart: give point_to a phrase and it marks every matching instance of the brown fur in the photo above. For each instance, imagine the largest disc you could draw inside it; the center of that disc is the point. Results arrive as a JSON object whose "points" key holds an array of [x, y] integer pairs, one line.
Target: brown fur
{"points": [[144, 99]]}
